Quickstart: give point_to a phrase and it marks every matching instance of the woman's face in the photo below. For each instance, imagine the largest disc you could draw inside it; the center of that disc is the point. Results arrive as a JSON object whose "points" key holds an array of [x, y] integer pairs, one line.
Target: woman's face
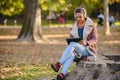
{"points": [[79, 17]]}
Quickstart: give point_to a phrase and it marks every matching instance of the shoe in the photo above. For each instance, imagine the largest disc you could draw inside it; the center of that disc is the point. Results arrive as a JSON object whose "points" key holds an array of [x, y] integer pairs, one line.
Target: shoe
{"points": [[55, 67], [60, 76]]}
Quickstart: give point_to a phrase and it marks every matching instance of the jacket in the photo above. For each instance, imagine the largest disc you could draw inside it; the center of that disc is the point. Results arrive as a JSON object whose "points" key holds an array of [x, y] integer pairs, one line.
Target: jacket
{"points": [[89, 35]]}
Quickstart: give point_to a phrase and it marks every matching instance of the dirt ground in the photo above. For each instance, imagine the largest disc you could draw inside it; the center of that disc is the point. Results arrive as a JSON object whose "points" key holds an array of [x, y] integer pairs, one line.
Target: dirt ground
{"points": [[50, 50]]}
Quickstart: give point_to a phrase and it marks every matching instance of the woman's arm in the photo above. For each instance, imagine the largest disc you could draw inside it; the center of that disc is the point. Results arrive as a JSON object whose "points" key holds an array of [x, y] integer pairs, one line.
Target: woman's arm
{"points": [[92, 37]]}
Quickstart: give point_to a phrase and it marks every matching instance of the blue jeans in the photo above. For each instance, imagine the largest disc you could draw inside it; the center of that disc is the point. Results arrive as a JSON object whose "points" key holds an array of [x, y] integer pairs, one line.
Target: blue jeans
{"points": [[68, 55]]}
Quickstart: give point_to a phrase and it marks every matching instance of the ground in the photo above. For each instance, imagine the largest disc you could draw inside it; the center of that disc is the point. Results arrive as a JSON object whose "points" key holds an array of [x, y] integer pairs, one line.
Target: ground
{"points": [[51, 48]]}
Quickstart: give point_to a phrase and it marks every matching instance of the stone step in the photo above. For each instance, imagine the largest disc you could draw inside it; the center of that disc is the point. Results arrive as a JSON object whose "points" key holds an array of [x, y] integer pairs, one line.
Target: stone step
{"points": [[101, 69], [115, 57]]}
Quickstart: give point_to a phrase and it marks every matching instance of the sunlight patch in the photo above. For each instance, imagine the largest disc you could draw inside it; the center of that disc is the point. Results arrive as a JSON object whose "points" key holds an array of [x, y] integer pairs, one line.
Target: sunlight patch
{"points": [[112, 42]]}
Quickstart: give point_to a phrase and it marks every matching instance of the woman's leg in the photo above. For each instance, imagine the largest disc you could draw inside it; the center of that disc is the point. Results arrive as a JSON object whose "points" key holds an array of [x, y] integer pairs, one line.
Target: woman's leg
{"points": [[67, 64], [68, 61], [81, 49], [64, 57], [67, 53]]}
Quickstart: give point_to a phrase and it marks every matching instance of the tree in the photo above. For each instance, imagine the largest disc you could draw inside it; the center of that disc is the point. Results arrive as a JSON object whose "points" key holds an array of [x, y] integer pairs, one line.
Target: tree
{"points": [[11, 7], [106, 13], [31, 30]]}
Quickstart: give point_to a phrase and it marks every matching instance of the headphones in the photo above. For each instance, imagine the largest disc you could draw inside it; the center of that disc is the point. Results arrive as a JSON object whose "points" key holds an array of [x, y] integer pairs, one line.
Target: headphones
{"points": [[80, 10]]}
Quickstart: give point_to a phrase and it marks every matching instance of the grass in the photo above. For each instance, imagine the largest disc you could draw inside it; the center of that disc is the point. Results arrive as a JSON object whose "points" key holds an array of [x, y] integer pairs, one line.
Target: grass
{"points": [[54, 23], [44, 23], [117, 23], [26, 72], [31, 72]]}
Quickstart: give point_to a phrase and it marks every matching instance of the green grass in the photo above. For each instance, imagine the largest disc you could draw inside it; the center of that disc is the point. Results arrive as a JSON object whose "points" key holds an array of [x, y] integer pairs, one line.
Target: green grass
{"points": [[27, 72], [117, 23], [45, 23]]}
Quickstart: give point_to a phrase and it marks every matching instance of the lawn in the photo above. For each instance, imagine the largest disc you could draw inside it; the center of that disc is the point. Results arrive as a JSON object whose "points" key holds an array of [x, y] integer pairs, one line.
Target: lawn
{"points": [[31, 61], [54, 23]]}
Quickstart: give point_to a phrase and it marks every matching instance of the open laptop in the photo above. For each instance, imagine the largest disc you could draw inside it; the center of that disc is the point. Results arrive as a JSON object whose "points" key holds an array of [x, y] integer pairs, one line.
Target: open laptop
{"points": [[73, 40]]}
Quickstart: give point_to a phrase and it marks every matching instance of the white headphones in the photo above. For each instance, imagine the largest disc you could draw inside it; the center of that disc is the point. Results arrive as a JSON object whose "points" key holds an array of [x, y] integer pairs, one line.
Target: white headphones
{"points": [[80, 10]]}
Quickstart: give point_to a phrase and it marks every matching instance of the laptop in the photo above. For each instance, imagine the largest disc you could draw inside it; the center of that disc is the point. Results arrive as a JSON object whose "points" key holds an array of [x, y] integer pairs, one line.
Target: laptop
{"points": [[73, 40]]}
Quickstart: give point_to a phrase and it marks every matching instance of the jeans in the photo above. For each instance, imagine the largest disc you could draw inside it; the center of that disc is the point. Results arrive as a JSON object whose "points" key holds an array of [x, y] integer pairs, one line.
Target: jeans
{"points": [[68, 55]]}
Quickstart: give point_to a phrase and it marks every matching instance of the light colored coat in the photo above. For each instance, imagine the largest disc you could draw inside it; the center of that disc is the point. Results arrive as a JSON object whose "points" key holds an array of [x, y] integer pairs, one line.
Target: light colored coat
{"points": [[89, 35]]}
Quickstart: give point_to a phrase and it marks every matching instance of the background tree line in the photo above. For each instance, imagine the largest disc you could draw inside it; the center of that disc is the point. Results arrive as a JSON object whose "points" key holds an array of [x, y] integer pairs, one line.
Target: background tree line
{"points": [[15, 9]]}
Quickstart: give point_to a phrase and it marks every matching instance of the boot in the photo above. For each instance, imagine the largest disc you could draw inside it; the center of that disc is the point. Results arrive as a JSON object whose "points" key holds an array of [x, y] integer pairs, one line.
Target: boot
{"points": [[56, 66], [61, 76]]}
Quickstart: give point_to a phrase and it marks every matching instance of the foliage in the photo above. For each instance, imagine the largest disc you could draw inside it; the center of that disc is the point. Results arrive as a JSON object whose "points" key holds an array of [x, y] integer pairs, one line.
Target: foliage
{"points": [[14, 7], [11, 7], [113, 1], [93, 6], [88, 4], [55, 5]]}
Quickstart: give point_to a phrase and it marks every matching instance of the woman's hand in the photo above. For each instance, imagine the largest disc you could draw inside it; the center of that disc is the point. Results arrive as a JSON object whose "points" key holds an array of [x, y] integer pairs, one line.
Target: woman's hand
{"points": [[84, 43]]}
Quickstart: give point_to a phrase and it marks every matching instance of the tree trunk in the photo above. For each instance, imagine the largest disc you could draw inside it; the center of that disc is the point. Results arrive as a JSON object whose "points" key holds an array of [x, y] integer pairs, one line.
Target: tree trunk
{"points": [[50, 18], [106, 13], [31, 28]]}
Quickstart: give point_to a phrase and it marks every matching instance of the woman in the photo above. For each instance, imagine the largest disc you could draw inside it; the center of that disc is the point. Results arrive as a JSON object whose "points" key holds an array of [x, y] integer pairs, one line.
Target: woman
{"points": [[83, 28]]}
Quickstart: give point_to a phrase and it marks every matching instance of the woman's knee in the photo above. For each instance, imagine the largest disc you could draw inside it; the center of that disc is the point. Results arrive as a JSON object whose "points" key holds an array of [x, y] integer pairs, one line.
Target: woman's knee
{"points": [[73, 43], [79, 45], [72, 56]]}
